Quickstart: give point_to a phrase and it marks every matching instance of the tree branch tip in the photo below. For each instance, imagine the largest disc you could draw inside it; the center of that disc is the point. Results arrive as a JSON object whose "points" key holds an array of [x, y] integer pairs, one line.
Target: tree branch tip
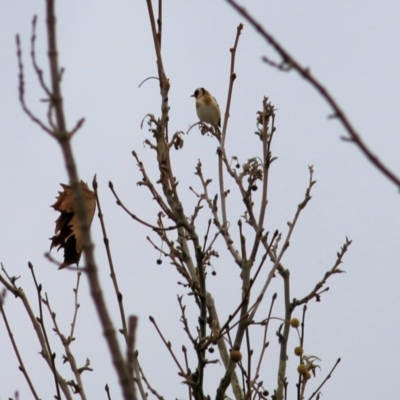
{"points": [[151, 319], [94, 182], [150, 77], [110, 185], [346, 139], [30, 265]]}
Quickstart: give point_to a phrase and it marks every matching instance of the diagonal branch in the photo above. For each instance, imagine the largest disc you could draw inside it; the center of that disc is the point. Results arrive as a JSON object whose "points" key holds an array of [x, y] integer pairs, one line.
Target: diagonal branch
{"points": [[305, 73]]}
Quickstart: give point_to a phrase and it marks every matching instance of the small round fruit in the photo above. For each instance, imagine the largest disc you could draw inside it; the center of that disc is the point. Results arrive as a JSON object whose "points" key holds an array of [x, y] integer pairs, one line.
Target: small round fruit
{"points": [[302, 369], [236, 355], [298, 350], [294, 323]]}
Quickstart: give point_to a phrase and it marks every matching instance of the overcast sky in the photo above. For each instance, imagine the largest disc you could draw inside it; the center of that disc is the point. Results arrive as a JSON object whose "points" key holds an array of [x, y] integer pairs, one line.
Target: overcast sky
{"points": [[106, 49]]}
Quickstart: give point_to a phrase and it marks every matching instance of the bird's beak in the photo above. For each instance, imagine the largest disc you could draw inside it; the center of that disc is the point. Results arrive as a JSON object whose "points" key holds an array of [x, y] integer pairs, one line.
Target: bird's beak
{"points": [[192, 95]]}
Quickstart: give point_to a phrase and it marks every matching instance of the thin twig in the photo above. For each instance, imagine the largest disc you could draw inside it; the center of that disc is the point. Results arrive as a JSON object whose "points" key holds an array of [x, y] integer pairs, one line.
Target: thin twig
{"points": [[152, 390], [213, 207], [303, 319], [76, 308], [41, 322], [131, 353], [21, 78], [117, 291], [78, 386], [136, 218], [264, 343], [267, 116], [232, 77], [168, 346], [292, 224], [150, 77], [19, 293], [184, 351], [38, 70], [107, 389], [21, 366], [324, 381], [334, 270]]}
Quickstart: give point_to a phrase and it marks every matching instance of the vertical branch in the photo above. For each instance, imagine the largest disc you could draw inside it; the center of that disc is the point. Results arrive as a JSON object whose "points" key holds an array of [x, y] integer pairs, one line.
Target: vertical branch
{"points": [[131, 343], [248, 372], [186, 230], [242, 326], [159, 22], [221, 150], [232, 77], [284, 338], [302, 347], [221, 343], [55, 74], [63, 137], [41, 322], [266, 117], [157, 41]]}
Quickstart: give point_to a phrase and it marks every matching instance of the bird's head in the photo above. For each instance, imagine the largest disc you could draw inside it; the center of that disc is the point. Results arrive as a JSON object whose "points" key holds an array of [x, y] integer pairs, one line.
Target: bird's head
{"points": [[198, 93]]}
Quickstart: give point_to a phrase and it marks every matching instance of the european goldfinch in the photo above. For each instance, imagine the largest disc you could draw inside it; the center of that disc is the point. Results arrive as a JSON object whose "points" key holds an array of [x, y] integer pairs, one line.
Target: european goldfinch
{"points": [[207, 107]]}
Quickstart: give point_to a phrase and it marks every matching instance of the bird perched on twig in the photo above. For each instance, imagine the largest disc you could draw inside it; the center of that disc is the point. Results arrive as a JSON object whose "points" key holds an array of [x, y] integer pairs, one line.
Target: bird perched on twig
{"points": [[207, 107]]}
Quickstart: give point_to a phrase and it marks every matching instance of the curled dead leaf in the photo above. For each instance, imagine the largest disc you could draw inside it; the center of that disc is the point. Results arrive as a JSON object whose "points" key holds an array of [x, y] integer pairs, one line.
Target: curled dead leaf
{"points": [[67, 232]]}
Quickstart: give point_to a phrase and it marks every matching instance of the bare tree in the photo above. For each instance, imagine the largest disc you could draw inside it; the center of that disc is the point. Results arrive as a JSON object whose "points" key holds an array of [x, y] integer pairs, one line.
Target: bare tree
{"points": [[245, 240]]}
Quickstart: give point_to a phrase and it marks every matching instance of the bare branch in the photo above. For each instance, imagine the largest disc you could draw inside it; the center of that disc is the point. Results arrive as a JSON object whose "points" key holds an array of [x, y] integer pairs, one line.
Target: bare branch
{"points": [[232, 77], [42, 325], [21, 79], [324, 381], [91, 268], [69, 357], [334, 270], [289, 62], [133, 216], [15, 347], [168, 346]]}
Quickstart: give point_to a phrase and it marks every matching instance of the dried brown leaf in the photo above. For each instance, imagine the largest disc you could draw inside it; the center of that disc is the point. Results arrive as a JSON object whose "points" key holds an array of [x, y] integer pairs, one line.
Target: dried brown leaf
{"points": [[68, 234]]}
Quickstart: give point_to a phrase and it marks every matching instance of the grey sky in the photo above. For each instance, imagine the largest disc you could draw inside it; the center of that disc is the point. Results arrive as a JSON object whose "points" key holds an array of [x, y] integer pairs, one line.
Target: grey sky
{"points": [[106, 49]]}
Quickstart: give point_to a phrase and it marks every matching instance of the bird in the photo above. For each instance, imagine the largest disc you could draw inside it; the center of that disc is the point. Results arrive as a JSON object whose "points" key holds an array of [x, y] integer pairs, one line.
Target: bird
{"points": [[207, 107]]}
